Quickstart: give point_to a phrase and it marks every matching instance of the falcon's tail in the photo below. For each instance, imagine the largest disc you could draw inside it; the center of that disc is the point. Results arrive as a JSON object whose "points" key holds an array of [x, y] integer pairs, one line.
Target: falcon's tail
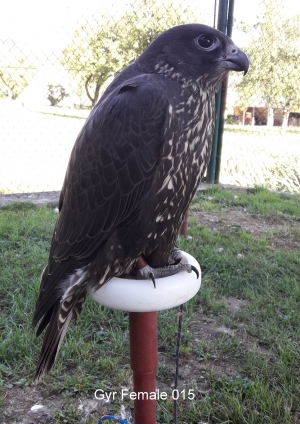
{"points": [[51, 344], [58, 318], [62, 315]]}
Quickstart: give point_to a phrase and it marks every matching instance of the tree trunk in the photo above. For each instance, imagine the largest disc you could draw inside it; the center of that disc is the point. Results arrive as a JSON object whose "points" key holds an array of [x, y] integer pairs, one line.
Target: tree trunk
{"points": [[96, 95], [285, 120], [96, 92], [270, 120], [244, 114]]}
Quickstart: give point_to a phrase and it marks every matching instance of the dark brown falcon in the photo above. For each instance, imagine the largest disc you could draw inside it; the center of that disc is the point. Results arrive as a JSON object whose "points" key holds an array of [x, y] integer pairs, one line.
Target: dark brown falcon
{"points": [[133, 171]]}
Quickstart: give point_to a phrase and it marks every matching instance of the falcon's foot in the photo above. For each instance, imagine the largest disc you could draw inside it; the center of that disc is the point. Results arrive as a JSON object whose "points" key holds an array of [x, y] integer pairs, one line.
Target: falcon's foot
{"points": [[149, 273], [175, 256]]}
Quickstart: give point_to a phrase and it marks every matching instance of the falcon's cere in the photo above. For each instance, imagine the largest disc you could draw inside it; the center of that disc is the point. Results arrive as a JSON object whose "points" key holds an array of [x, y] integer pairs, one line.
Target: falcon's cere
{"points": [[133, 172]]}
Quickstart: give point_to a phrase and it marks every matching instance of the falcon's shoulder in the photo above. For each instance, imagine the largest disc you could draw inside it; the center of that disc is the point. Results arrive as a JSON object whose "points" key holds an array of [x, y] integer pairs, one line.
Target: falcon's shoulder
{"points": [[111, 166]]}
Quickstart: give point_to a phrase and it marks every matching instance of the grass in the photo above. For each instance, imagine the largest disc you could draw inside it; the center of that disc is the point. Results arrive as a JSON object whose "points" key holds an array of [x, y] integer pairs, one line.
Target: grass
{"points": [[260, 129], [258, 156], [249, 373], [262, 201], [36, 147]]}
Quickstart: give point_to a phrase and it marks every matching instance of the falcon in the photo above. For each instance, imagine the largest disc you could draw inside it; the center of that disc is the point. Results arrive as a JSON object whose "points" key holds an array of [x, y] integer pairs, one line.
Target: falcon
{"points": [[132, 174]]}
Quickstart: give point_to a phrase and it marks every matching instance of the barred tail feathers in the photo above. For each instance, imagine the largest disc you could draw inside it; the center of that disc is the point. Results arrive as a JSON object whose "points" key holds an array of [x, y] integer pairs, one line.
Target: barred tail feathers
{"points": [[72, 294], [60, 320], [57, 319]]}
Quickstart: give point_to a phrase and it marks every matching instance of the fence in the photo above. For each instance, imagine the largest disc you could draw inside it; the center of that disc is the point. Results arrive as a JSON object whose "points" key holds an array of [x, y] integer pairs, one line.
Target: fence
{"points": [[53, 72]]}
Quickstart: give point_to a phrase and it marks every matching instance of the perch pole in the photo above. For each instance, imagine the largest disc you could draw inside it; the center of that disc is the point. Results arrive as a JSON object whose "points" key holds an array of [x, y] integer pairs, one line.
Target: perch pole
{"points": [[143, 362], [142, 301]]}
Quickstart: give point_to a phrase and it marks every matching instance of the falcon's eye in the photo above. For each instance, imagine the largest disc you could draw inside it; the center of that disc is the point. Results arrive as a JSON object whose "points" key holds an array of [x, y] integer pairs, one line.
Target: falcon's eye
{"points": [[205, 41]]}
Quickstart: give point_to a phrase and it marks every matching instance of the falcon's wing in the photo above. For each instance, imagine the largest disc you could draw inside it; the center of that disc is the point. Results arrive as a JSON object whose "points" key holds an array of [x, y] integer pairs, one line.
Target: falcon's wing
{"points": [[111, 167], [110, 171]]}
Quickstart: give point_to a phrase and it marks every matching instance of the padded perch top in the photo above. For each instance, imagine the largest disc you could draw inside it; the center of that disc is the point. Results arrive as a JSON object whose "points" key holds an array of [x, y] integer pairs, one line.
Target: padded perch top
{"points": [[133, 295]]}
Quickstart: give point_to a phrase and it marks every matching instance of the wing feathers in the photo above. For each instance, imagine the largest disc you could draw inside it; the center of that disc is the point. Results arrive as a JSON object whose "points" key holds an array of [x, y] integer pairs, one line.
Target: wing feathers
{"points": [[124, 138]]}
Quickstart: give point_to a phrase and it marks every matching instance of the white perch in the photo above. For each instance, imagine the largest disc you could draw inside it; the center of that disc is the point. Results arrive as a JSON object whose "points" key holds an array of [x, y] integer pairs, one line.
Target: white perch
{"points": [[140, 296]]}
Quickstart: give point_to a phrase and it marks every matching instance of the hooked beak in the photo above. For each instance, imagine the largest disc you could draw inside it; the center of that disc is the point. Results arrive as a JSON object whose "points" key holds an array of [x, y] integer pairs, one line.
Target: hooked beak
{"points": [[237, 61]]}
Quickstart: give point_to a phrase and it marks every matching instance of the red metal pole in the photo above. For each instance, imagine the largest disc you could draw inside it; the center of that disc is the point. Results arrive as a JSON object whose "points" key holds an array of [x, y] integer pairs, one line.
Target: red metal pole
{"points": [[185, 224], [144, 361]]}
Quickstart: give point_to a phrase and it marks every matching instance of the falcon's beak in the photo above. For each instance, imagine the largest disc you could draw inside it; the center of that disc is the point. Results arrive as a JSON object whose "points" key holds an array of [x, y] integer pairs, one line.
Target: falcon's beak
{"points": [[237, 60]]}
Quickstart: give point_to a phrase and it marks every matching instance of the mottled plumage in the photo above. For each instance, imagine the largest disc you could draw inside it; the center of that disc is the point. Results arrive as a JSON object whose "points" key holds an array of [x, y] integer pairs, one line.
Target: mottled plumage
{"points": [[133, 171]]}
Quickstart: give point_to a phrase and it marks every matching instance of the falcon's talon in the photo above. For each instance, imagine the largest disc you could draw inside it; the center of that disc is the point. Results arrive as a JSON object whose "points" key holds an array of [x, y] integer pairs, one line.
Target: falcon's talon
{"points": [[175, 256], [151, 275], [154, 273], [193, 268]]}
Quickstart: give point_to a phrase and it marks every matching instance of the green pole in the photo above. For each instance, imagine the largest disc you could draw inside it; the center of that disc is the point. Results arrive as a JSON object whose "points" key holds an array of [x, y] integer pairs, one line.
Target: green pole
{"points": [[230, 18], [222, 18], [211, 171], [223, 101]]}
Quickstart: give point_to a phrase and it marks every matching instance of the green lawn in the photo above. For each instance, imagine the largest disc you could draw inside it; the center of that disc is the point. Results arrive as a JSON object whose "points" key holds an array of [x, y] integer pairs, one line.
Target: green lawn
{"points": [[35, 149], [241, 336], [257, 156]]}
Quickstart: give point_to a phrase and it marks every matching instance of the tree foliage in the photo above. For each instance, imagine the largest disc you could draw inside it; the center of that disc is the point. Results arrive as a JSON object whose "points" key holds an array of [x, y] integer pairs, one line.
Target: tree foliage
{"points": [[93, 56], [146, 21], [16, 72], [55, 94], [274, 76], [98, 53]]}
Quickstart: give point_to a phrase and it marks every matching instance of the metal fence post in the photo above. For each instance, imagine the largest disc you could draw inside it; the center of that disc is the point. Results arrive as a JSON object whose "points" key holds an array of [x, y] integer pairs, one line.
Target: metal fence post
{"points": [[211, 170], [223, 99], [225, 21]]}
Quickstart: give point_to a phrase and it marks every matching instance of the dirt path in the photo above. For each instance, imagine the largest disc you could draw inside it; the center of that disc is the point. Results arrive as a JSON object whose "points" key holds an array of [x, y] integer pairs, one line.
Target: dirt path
{"points": [[41, 199]]}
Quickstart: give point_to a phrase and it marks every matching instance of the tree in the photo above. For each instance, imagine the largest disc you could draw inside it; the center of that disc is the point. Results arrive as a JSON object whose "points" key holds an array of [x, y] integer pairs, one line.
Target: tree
{"points": [[56, 93], [245, 97], [97, 54], [93, 57], [16, 72], [149, 18], [275, 68]]}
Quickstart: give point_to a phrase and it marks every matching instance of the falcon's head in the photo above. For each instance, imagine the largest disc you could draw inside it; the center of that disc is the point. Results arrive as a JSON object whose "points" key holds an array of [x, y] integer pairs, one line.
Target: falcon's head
{"points": [[195, 51]]}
